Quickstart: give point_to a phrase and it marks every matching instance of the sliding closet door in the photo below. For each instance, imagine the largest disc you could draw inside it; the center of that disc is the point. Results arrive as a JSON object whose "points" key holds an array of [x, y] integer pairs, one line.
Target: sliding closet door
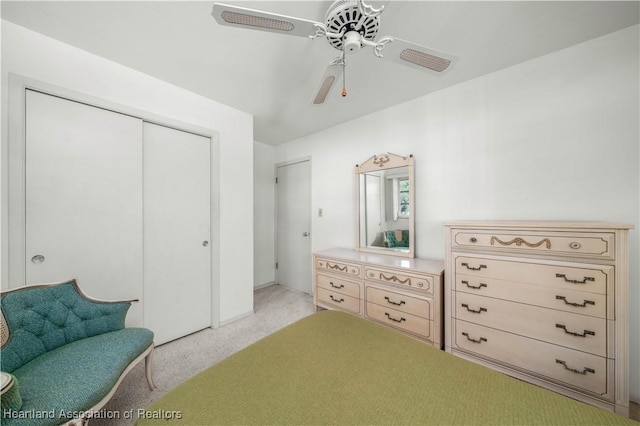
{"points": [[177, 235], [83, 198]]}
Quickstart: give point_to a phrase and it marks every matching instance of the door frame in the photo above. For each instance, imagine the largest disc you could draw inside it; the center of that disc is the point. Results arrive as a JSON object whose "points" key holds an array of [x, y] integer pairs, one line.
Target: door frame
{"points": [[13, 177], [311, 233]]}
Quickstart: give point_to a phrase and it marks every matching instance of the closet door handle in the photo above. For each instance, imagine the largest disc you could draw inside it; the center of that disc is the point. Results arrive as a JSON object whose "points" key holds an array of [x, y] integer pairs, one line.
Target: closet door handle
{"points": [[205, 243], [37, 259]]}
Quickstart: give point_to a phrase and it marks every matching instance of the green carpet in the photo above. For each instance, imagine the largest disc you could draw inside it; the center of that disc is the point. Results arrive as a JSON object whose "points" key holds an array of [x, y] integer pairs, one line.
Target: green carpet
{"points": [[334, 368]]}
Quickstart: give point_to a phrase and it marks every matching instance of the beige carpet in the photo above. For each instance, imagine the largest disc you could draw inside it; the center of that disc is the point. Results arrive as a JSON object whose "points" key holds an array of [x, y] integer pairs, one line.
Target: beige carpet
{"points": [[174, 362]]}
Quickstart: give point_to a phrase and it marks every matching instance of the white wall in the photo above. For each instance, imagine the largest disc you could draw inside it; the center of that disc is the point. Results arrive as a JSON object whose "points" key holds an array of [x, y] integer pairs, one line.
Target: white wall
{"points": [[33, 55], [553, 138], [264, 214]]}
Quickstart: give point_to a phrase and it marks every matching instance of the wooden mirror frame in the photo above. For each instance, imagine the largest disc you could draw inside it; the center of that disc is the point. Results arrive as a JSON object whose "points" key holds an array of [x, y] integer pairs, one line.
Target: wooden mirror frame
{"points": [[379, 162]]}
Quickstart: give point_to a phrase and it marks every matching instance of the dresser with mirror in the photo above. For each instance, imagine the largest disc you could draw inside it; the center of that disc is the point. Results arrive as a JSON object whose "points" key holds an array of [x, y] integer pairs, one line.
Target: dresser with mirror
{"points": [[381, 279]]}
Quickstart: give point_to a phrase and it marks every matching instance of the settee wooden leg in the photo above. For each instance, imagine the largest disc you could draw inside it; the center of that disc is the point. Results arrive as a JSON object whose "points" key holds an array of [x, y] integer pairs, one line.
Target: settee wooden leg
{"points": [[83, 421], [147, 365]]}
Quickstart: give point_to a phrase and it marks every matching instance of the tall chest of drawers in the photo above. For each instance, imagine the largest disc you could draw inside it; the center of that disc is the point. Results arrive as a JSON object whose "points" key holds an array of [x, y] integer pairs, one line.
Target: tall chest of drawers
{"points": [[405, 294], [546, 302]]}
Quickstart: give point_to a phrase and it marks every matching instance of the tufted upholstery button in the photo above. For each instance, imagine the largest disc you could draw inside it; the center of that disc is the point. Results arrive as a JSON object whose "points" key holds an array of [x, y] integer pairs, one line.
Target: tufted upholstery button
{"points": [[50, 317]]}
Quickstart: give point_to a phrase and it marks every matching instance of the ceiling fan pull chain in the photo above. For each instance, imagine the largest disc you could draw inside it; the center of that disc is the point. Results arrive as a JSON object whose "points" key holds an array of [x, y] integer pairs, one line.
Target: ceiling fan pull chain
{"points": [[344, 75]]}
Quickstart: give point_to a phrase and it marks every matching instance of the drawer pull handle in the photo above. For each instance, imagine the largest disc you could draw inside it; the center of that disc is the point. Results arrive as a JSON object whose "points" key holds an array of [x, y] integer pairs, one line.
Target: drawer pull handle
{"points": [[395, 279], [472, 268], [480, 340], [338, 267], [575, 245], [573, 333], [402, 302], [394, 319], [473, 286], [520, 241], [339, 286], [336, 300], [580, 305], [584, 281], [479, 311], [473, 239], [585, 370]]}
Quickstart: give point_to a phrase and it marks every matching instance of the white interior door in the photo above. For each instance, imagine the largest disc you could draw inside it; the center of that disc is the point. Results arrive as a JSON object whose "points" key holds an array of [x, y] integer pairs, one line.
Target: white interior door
{"points": [[83, 198], [293, 226], [177, 232]]}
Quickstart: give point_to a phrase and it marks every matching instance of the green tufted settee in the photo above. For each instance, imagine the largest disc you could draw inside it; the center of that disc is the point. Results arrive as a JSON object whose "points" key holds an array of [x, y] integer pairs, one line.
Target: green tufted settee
{"points": [[64, 354]]}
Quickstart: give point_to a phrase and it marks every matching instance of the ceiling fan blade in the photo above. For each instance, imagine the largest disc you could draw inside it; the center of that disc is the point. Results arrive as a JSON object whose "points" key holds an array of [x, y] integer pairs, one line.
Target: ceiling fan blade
{"points": [[414, 55], [329, 79], [265, 21]]}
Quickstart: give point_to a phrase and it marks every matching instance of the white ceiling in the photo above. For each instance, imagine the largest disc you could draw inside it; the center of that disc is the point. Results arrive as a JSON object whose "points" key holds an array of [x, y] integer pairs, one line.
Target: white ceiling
{"points": [[274, 76]]}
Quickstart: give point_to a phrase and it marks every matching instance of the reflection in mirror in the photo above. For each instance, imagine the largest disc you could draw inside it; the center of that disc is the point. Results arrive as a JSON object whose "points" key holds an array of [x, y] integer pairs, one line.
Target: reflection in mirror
{"points": [[385, 204]]}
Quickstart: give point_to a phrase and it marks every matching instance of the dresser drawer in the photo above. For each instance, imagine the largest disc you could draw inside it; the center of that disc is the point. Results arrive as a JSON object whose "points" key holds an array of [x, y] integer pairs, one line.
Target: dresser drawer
{"points": [[339, 300], [593, 279], [580, 332], [339, 285], [555, 363], [398, 301], [579, 302], [340, 267], [417, 281], [573, 244], [402, 320]]}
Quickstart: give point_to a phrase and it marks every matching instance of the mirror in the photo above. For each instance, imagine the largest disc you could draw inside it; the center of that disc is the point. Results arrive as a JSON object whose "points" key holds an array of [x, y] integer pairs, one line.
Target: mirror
{"points": [[385, 197]]}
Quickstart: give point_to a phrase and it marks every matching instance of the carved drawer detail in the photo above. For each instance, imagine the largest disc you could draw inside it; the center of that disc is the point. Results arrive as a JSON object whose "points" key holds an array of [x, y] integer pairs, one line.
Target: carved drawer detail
{"points": [[419, 282], [339, 267], [555, 243]]}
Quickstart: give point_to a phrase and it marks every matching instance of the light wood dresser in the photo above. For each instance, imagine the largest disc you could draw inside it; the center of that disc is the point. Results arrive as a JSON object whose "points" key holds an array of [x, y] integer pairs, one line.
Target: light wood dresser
{"points": [[402, 293], [545, 302]]}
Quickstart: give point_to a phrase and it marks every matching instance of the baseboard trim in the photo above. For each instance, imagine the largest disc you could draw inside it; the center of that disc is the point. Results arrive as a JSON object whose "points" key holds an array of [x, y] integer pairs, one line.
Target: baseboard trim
{"points": [[259, 286], [236, 318]]}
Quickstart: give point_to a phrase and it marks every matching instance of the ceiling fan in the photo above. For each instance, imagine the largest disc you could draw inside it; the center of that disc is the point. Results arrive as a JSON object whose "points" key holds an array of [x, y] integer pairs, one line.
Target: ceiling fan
{"points": [[349, 26]]}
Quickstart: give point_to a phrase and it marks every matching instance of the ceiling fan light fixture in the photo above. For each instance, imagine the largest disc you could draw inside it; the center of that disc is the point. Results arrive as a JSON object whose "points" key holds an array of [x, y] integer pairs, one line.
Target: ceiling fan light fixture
{"points": [[324, 90], [352, 43], [256, 21], [425, 60], [344, 16]]}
